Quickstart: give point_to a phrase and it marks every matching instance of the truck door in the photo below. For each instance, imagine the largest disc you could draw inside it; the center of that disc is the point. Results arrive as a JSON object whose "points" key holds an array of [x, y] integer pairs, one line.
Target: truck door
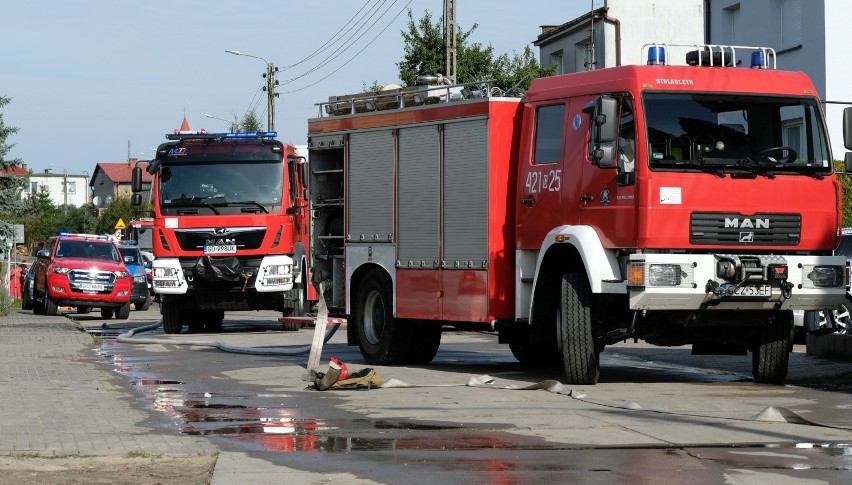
{"points": [[541, 175], [607, 195]]}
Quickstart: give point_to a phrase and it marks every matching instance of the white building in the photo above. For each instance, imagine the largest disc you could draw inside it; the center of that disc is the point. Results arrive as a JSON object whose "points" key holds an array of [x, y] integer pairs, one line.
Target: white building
{"points": [[65, 188], [807, 36], [621, 28]]}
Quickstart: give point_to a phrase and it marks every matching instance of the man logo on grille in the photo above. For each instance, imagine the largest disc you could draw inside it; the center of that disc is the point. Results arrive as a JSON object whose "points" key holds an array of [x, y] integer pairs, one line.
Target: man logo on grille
{"points": [[746, 237]]}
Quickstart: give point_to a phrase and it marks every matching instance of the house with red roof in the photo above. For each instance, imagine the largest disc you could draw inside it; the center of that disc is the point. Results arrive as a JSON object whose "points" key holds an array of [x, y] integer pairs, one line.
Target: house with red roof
{"points": [[111, 180]]}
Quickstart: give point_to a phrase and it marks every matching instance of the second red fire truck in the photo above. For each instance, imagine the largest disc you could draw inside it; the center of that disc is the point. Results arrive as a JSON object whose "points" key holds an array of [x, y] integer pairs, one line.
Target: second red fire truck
{"points": [[691, 204], [230, 227]]}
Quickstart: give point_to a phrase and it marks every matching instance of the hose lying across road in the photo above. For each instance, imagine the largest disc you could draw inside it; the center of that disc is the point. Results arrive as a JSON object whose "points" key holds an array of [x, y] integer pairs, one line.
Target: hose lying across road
{"points": [[128, 338]]}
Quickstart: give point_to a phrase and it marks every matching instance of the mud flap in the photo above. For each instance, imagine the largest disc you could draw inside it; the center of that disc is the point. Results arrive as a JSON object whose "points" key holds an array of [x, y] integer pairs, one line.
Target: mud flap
{"points": [[219, 269]]}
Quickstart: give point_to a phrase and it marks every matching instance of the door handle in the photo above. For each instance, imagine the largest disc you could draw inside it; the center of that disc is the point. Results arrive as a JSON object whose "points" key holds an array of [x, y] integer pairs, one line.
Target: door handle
{"points": [[587, 198], [528, 201]]}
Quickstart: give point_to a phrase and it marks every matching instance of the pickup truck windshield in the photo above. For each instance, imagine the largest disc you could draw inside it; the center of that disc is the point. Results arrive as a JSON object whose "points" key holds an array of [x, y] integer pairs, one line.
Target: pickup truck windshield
{"points": [[214, 185], [719, 133]]}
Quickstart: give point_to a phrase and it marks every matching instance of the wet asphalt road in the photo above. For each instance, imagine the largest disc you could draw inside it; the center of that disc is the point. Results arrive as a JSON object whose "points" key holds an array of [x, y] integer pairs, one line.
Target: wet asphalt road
{"points": [[648, 421]]}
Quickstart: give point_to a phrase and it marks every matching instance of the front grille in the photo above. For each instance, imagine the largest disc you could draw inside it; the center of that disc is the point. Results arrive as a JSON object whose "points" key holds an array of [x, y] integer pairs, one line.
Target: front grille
{"points": [[734, 229], [78, 277], [196, 239]]}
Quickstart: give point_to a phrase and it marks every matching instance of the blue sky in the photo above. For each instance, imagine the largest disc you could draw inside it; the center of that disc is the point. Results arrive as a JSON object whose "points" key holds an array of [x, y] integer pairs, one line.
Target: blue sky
{"points": [[87, 78]]}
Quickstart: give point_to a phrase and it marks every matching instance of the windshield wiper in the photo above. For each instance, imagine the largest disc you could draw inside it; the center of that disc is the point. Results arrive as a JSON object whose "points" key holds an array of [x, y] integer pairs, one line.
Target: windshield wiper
{"points": [[251, 202], [173, 203], [756, 167], [693, 164]]}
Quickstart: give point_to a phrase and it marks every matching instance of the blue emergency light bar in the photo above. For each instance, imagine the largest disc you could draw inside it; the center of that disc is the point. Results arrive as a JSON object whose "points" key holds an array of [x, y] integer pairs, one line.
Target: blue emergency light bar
{"points": [[216, 136]]}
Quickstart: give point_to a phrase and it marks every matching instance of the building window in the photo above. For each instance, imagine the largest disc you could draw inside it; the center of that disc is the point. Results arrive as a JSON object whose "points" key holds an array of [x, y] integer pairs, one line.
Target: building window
{"points": [[556, 59], [731, 20], [33, 187], [793, 135], [549, 121], [72, 187], [791, 24]]}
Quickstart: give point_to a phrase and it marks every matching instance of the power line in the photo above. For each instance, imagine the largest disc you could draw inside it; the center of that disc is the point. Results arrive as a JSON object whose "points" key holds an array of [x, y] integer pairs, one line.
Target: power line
{"points": [[324, 62], [331, 41], [356, 54]]}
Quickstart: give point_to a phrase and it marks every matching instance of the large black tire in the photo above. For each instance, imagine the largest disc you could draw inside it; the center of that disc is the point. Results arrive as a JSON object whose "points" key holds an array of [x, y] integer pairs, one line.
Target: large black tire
{"points": [[771, 356], [50, 306], [123, 312], [537, 354], [381, 339], [171, 315], [106, 312], [145, 305], [38, 306], [213, 320], [579, 356], [425, 343], [84, 310], [26, 303], [296, 301]]}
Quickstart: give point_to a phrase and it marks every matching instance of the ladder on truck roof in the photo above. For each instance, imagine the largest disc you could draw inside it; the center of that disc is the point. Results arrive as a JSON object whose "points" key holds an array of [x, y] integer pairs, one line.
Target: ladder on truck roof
{"points": [[407, 97]]}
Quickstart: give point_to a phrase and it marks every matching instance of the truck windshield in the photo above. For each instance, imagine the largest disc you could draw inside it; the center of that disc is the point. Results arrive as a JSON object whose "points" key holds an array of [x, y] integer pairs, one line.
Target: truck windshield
{"points": [[718, 133], [256, 185]]}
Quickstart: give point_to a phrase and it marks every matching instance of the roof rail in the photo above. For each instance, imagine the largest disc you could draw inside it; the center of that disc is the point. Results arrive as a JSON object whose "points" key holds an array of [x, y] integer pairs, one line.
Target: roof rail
{"points": [[406, 97], [711, 55], [217, 136]]}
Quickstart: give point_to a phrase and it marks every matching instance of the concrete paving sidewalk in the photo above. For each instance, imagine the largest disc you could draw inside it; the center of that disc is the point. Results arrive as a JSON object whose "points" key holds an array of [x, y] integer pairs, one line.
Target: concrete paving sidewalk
{"points": [[55, 401]]}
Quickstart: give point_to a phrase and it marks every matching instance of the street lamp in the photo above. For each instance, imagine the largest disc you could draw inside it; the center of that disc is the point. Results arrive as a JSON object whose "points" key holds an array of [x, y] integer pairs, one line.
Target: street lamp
{"points": [[230, 123], [270, 88]]}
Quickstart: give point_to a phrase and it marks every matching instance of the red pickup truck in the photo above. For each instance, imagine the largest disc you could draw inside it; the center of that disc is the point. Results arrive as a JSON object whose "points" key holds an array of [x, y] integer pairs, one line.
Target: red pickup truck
{"points": [[83, 271]]}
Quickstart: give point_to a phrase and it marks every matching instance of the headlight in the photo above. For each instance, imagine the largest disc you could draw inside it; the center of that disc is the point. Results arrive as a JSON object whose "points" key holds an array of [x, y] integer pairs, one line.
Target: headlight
{"points": [[827, 276], [161, 272], [139, 279], [122, 274], [279, 269], [61, 270], [664, 275]]}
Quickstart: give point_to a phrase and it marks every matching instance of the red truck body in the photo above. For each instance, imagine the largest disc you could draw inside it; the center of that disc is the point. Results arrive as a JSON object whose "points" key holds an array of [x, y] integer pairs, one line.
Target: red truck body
{"points": [[229, 227], [682, 205]]}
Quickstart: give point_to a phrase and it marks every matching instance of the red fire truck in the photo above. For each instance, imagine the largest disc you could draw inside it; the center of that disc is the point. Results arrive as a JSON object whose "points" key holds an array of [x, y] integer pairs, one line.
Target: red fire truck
{"points": [[678, 204], [230, 227]]}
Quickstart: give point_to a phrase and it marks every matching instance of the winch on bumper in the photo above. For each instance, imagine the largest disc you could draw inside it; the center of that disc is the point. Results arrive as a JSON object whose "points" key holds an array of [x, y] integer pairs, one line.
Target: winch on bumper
{"points": [[274, 274], [735, 282]]}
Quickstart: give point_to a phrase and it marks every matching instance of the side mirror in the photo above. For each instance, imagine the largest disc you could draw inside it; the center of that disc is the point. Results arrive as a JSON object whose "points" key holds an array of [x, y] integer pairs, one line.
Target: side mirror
{"points": [[136, 180], [604, 129], [848, 162], [136, 200], [154, 166], [43, 253], [606, 118], [847, 129]]}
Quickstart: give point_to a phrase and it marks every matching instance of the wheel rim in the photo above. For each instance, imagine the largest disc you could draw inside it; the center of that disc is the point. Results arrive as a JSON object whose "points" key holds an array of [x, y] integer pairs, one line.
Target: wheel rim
{"points": [[374, 318], [842, 320]]}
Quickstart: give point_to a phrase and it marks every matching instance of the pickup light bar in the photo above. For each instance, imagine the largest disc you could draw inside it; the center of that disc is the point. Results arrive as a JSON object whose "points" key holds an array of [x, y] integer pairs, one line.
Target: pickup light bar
{"points": [[201, 135]]}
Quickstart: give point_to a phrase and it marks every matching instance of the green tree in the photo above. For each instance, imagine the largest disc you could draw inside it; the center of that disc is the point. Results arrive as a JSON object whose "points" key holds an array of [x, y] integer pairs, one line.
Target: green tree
{"points": [[119, 208], [11, 185], [45, 219], [423, 53], [250, 122]]}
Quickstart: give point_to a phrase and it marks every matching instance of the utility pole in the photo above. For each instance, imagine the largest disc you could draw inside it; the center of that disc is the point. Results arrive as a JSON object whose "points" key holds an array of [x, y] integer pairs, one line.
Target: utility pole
{"points": [[450, 40], [271, 82]]}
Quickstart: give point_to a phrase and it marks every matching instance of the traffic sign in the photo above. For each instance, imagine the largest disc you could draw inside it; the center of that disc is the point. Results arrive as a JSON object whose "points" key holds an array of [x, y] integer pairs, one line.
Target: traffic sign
{"points": [[120, 224]]}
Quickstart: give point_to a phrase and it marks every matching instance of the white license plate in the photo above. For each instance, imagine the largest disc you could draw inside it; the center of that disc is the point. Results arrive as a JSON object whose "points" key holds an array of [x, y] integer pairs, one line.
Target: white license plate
{"points": [[220, 249], [759, 290], [91, 287]]}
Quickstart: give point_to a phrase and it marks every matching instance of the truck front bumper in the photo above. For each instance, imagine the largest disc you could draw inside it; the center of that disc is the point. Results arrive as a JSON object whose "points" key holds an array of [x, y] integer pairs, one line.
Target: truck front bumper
{"points": [[275, 274], [736, 282]]}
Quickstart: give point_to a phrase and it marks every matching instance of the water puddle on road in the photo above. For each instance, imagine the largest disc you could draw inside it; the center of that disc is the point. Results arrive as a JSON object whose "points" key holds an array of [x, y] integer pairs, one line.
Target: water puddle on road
{"points": [[272, 422]]}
